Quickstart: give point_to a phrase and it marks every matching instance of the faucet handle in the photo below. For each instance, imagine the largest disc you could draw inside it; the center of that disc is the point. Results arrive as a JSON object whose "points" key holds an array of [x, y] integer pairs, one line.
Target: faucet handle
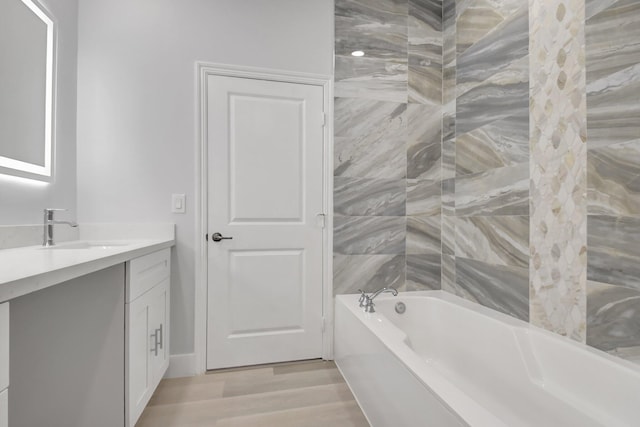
{"points": [[363, 296], [55, 210]]}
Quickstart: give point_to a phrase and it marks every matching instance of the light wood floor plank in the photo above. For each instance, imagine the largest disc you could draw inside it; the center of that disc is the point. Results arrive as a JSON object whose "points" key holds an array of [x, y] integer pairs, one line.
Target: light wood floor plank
{"points": [[301, 394], [344, 414], [244, 386]]}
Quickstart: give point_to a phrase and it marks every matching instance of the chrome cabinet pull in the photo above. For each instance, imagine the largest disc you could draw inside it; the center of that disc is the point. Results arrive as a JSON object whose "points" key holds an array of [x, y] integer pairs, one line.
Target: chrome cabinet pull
{"points": [[157, 340]]}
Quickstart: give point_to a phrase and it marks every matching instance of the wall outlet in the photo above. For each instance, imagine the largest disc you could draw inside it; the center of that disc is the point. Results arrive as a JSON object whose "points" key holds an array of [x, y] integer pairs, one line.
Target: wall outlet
{"points": [[178, 203]]}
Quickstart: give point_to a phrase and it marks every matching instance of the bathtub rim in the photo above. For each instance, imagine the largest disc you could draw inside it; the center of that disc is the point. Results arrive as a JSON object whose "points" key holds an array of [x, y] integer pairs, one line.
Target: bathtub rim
{"points": [[392, 338]]}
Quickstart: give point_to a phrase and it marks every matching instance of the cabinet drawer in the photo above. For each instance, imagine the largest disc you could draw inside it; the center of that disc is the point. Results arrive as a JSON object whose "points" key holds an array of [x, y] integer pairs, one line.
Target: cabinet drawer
{"points": [[4, 346], [146, 272], [4, 408]]}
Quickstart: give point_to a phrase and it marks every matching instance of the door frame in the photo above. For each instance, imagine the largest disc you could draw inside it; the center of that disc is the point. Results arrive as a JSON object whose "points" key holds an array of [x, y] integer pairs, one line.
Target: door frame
{"points": [[203, 71]]}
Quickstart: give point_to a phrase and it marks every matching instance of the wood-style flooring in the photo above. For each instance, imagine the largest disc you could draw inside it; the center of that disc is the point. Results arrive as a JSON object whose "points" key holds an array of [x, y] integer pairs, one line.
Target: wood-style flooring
{"points": [[299, 394]]}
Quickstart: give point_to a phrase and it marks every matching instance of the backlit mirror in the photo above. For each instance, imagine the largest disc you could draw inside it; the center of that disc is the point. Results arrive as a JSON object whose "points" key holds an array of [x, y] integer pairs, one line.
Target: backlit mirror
{"points": [[26, 89]]}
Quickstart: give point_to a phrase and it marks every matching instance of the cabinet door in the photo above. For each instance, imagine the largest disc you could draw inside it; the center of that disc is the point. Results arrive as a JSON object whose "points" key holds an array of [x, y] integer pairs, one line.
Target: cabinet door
{"points": [[159, 315], [4, 408], [139, 345]]}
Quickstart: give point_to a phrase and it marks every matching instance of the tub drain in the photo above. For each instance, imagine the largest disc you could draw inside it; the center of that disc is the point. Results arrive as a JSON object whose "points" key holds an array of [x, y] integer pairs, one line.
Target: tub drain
{"points": [[400, 307]]}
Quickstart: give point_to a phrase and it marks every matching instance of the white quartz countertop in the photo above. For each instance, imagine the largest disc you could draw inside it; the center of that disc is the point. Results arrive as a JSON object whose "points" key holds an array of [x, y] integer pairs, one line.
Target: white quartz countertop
{"points": [[29, 269]]}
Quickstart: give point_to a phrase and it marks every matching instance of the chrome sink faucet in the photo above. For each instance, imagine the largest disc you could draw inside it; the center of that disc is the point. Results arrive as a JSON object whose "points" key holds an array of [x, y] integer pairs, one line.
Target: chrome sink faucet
{"points": [[366, 301], [47, 239]]}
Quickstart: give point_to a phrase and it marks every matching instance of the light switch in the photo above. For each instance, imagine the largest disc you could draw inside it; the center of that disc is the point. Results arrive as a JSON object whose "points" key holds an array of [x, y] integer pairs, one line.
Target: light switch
{"points": [[178, 203]]}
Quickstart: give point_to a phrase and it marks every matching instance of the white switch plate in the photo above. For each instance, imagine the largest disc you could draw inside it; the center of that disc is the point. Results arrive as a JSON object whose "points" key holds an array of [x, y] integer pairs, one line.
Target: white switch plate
{"points": [[178, 204]]}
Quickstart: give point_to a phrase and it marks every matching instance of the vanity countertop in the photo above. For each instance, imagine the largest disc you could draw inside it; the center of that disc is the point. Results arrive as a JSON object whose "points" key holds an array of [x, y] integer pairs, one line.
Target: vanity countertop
{"points": [[29, 269]]}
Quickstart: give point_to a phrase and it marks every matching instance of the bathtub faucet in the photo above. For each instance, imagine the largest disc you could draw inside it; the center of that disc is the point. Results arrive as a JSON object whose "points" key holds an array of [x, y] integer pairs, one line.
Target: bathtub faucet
{"points": [[367, 300]]}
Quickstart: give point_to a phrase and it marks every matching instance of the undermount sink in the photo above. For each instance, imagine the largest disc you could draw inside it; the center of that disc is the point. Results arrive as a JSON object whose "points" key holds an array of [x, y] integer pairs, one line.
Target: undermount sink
{"points": [[87, 245]]}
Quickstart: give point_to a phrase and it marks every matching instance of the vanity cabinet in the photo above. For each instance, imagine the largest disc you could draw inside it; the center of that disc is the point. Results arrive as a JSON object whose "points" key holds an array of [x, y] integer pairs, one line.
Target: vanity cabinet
{"points": [[4, 364], [147, 336]]}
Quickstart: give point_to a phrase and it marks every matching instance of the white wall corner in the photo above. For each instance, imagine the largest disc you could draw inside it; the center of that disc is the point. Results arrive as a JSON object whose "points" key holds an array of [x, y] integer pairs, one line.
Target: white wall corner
{"points": [[182, 365]]}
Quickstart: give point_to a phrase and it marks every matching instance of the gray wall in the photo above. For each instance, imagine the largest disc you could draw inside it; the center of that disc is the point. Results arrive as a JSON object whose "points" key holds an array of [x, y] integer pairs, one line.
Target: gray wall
{"points": [[387, 144], [137, 121]]}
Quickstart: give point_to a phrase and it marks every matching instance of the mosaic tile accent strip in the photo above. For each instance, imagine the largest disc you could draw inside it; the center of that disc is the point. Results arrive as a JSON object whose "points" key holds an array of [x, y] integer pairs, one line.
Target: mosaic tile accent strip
{"points": [[558, 163]]}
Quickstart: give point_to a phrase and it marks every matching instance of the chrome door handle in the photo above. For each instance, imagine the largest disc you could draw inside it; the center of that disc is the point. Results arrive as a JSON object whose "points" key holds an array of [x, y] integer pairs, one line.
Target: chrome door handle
{"points": [[216, 237]]}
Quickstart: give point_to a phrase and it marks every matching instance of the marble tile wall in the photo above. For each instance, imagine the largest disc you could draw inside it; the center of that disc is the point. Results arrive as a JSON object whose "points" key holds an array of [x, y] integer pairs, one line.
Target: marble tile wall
{"points": [[387, 176], [485, 153], [613, 176], [492, 148]]}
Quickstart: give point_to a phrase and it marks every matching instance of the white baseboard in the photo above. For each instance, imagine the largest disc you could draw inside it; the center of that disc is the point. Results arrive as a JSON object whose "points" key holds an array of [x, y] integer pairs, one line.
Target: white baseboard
{"points": [[182, 365]]}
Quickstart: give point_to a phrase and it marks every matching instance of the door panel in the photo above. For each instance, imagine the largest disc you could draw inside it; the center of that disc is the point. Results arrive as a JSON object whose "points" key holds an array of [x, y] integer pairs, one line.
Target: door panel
{"points": [[278, 194], [265, 145], [260, 308]]}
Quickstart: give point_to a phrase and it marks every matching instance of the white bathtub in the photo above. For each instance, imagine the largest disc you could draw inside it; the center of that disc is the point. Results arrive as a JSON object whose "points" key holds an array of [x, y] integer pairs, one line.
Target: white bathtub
{"points": [[448, 362]]}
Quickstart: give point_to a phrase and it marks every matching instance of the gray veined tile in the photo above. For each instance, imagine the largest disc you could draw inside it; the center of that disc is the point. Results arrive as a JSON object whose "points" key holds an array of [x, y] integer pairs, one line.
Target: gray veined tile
{"points": [[613, 179], [613, 110], [423, 234], [423, 272], [614, 254], [498, 240], [503, 191], [448, 159], [424, 142], [613, 319], [505, 289], [369, 197], [427, 16], [498, 144], [449, 86], [370, 139], [593, 7], [370, 78], [379, 28], [448, 235], [449, 13], [425, 84], [449, 121], [612, 39], [425, 33], [367, 272], [505, 45], [501, 95], [448, 274], [493, 75], [369, 235], [423, 197], [448, 197], [478, 18]]}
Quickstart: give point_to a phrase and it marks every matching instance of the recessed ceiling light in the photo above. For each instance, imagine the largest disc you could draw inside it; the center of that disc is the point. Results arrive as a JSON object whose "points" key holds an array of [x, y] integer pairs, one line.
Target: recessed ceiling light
{"points": [[357, 53]]}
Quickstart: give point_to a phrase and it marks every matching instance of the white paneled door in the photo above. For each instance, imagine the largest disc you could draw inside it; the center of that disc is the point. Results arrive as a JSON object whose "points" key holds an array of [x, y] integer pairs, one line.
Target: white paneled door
{"points": [[265, 201]]}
